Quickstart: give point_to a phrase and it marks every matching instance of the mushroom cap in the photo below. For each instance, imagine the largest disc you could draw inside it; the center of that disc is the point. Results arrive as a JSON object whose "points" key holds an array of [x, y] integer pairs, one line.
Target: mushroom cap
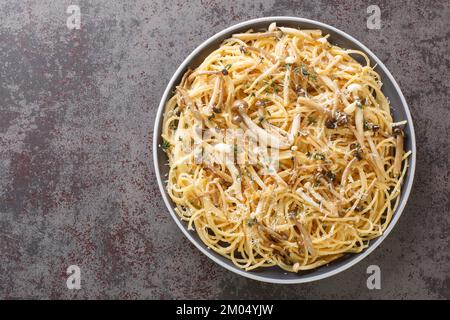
{"points": [[239, 104]]}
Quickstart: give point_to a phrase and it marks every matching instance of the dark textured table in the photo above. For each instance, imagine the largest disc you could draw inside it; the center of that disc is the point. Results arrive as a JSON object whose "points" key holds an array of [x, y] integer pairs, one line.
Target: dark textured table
{"points": [[77, 185]]}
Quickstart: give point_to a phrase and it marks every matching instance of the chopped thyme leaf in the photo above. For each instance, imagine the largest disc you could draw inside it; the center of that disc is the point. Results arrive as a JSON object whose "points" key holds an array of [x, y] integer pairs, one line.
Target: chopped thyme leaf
{"points": [[165, 144], [304, 71], [366, 125], [319, 156], [370, 126], [251, 222], [311, 120], [174, 124]]}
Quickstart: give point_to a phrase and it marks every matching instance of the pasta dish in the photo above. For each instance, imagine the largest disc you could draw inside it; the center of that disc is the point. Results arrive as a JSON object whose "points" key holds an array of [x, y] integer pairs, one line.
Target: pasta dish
{"points": [[283, 151]]}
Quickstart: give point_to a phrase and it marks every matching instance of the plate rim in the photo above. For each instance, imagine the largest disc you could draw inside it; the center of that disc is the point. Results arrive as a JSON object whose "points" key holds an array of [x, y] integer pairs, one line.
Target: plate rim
{"points": [[302, 278]]}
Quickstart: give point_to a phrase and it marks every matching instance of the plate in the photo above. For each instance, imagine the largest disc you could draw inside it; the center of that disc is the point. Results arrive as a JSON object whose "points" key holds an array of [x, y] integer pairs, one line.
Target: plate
{"points": [[399, 109]]}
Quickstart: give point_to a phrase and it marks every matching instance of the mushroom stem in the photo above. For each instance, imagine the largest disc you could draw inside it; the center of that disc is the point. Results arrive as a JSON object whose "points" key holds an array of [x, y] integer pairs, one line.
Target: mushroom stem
{"points": [[377, 159], [295, 32], [209, 72], [275, 235], [263, 135], [185, 80], [294, 128], [347, 171], [185, 100], [263, 52], [306, 238], [315, 105], [399, 151], [252, 36], [359, 122], [286, 86], [216, 95]]}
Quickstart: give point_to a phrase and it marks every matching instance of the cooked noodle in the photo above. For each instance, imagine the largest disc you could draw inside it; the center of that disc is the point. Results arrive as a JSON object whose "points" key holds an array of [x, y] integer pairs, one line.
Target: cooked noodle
{"points": [[340, 158]]}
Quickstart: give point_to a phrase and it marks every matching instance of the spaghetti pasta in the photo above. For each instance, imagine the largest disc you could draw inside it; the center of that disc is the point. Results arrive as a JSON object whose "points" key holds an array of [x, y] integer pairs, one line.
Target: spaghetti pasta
{"points": [[283, 151]]}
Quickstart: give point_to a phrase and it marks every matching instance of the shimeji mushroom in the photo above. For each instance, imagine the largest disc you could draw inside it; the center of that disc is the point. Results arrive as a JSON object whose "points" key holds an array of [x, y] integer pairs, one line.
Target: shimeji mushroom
{"points": [[399, 150]]}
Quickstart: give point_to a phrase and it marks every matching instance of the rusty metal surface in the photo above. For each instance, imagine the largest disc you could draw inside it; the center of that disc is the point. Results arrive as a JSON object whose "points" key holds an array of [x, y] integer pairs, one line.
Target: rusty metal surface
{"points": [[76, 176]]}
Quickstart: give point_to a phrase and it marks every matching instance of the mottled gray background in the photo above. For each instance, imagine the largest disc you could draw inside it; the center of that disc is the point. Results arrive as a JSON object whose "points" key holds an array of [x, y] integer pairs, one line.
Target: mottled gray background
{"points": [[77, 184]]}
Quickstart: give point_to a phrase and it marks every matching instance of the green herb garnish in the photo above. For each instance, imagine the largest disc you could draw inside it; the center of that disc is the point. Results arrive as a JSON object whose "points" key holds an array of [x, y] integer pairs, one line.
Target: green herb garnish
{"points": [[330, 176], [174, 124], [165, 144], [304, 71], [319, 156], [251, 222], [370, 126], [311, 120]]}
